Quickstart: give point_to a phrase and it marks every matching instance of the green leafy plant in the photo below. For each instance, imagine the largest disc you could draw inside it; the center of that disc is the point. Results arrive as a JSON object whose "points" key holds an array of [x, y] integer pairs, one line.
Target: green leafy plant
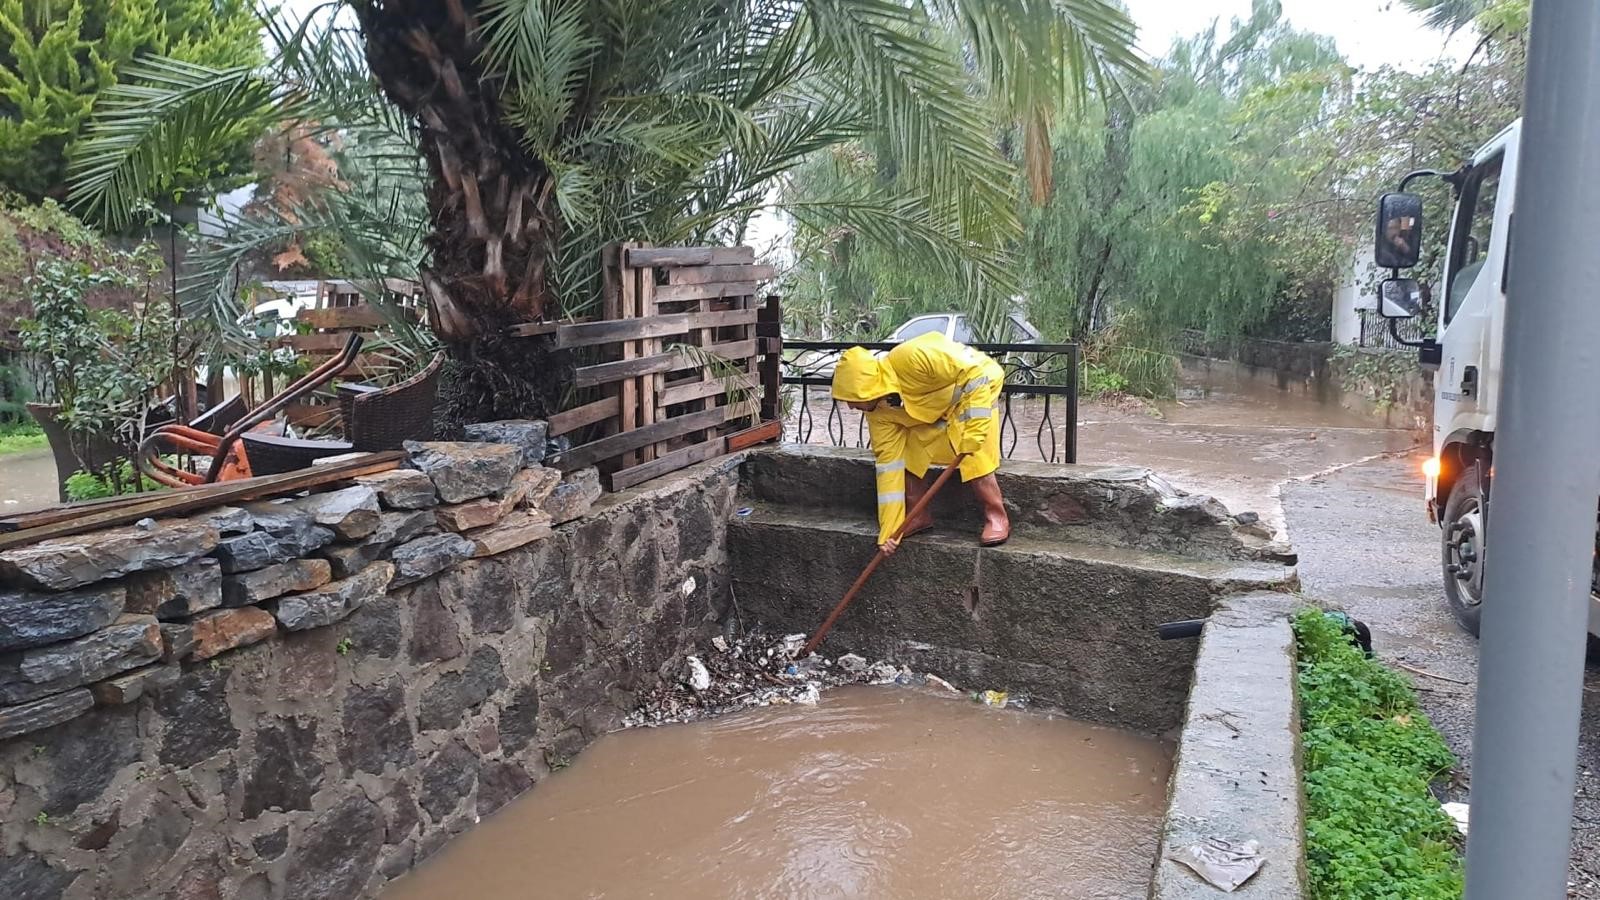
{"points": [[1373, 828], [1377, 374], [112, 480], [103, 367], [344, 646], [42, 819]]}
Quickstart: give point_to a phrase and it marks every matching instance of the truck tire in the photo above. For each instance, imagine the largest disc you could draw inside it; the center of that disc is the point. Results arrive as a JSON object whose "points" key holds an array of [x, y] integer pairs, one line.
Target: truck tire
{"points": [[1462, 546]]}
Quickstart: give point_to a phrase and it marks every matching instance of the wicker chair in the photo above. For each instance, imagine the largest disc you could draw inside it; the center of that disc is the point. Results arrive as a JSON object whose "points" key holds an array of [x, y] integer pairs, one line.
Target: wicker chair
{"points": [[374, 419]]}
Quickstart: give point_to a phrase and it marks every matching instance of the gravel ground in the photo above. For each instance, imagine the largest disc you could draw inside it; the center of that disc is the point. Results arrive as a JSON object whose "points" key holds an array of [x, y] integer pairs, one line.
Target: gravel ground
{"points": [[1366, 546]]}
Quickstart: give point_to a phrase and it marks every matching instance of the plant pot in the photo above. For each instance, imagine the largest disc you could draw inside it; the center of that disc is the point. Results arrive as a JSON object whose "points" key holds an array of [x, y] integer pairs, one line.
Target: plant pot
{"points": [[73, 452]]}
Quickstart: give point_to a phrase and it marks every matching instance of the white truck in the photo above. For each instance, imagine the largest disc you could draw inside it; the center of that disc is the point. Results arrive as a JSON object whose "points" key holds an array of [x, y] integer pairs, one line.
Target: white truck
{"points": [[1465, 355]]}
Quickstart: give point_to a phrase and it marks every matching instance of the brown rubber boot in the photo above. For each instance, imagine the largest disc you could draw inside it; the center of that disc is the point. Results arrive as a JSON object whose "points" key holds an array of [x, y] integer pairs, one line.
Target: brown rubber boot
{"points": [[996, 524], [915, 488]]}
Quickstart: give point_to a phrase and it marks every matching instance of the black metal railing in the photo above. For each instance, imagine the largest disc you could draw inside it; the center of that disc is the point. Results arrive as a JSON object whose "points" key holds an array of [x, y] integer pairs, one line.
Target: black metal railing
{"points": [[1041, 384]]}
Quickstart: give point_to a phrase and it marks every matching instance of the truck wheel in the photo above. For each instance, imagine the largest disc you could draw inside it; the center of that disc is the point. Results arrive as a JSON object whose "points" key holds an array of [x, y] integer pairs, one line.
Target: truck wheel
{"points": [[1463, 545]]}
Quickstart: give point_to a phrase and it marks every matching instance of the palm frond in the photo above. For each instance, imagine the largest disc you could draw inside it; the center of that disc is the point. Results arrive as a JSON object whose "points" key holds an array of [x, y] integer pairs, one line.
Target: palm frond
{"points": [[914, 93], [146, 127]]}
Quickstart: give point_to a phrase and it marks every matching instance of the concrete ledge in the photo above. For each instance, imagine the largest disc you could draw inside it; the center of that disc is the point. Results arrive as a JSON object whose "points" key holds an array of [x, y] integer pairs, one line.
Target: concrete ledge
{"points": [[1124, 506], [1237, 773]]}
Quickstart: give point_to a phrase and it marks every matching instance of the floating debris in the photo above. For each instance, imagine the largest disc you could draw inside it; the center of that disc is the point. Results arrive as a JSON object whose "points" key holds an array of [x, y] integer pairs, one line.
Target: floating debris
{"points": [[761, 670], [996, 699]]}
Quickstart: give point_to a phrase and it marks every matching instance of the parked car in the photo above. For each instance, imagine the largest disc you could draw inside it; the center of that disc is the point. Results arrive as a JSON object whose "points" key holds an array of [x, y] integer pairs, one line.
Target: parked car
{"points": [[954, 325]]}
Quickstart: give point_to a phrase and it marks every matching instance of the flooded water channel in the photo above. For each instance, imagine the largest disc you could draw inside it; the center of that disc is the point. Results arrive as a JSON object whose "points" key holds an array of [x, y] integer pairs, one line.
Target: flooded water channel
{"points": [[877, 792]]}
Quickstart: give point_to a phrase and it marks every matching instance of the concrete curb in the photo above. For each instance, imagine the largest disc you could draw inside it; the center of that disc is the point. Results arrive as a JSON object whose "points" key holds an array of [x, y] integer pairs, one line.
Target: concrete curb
{"points": [[1237, 772]]}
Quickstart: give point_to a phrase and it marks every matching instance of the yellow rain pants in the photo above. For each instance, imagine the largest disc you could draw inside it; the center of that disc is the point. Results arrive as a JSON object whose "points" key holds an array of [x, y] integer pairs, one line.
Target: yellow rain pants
{"points": [[948, 395]]}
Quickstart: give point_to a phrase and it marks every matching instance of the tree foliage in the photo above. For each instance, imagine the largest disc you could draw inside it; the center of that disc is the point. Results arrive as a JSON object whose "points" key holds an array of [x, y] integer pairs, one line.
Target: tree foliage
{"points": [[551, 128], [1232, 194], [58, 57]]}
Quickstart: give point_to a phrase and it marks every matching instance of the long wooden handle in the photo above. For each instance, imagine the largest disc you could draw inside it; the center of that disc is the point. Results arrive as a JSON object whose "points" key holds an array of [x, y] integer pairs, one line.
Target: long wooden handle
{"points": [[850, 595]]}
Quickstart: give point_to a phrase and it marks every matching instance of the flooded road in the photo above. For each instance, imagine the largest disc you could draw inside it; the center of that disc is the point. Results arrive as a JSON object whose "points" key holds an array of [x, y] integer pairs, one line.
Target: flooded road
{"points": [[878, 792], [1231, 432]]}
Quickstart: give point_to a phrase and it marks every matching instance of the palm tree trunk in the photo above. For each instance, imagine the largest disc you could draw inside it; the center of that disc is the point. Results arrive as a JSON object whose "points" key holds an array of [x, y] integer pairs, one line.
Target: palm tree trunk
{"points": [[494, 219]]}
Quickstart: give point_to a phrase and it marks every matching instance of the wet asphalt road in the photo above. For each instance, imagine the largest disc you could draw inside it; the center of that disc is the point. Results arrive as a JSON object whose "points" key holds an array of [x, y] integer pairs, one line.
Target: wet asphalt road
{"points": [[1366, 546]]}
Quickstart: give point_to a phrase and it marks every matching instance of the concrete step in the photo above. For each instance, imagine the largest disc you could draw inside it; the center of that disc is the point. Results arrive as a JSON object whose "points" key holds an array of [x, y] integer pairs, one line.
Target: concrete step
{"points": [[1073, 624], [1122, 506]]}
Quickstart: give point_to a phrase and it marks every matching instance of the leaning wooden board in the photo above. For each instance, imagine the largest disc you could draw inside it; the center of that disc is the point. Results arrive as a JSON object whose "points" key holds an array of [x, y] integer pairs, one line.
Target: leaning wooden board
{"points": [[646, 406], [183, 500]]}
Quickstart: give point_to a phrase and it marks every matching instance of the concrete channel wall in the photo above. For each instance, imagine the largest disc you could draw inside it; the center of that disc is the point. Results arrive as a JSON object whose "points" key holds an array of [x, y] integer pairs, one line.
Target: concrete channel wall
{"points": [[193, 709], [1237, 773]]}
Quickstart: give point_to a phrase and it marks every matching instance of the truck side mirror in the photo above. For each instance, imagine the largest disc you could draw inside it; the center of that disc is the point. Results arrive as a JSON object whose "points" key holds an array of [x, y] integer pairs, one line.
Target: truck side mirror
{"points": [[1398, 242], [1399, 298]]}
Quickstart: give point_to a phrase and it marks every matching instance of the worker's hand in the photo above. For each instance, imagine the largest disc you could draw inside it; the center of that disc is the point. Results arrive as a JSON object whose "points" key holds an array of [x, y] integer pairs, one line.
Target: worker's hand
{"points": [[889, 547]]}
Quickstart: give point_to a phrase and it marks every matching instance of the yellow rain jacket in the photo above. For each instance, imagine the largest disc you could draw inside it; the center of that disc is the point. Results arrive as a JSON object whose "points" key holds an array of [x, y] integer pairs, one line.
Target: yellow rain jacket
{"points": [[948, 394]]}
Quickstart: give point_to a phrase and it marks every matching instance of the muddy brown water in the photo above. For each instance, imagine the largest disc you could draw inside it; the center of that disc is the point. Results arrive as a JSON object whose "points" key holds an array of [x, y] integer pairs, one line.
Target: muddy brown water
{"points": [[1232, 432], [877, 792]]}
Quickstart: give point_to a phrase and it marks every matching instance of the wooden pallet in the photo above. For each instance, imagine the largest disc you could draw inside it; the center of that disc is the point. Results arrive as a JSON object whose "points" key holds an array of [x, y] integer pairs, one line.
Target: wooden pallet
{"points": [[681, 374]]}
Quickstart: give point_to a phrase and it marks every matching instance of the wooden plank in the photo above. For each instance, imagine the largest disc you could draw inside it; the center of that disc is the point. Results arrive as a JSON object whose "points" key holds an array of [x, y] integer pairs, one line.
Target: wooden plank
{"points": [[717, 274], [654, 326], [74, 509], [673, 257], [533, 329], [764, 433], [588, 414], [732, 351], [690, 391], [182, 500], [363, 316], [628, 388], [666, 463], [750, 407], [672, 293], [770, 342], [313, 343], [621, 371], [650, 385], [628, 441]]}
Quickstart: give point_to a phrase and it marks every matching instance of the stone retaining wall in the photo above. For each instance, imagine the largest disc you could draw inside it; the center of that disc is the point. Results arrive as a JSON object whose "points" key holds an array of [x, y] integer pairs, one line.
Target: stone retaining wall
{"points": [[302, 698]]}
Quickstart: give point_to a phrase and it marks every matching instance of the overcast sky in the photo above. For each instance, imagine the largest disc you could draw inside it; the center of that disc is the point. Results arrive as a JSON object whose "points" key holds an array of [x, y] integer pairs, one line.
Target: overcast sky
{"points": [[1369, 32]]}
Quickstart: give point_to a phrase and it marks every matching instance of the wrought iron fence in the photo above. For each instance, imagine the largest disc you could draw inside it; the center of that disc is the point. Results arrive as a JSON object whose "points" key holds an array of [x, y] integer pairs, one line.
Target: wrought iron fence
{"points": [[1375, 330], [1041, 385]]}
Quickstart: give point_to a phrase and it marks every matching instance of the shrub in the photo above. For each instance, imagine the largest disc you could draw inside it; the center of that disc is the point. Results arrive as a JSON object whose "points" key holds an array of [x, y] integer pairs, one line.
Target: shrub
{"points": [[1373, 828]]}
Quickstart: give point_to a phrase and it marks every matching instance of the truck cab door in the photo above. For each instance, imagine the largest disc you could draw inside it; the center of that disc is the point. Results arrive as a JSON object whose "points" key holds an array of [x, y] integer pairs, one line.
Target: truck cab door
{"points": [[1473, 301]]}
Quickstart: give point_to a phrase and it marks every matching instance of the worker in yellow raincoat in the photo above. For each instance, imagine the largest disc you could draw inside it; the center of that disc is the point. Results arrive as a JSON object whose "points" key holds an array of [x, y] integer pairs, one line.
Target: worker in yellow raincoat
{"points": [[927, 401]]}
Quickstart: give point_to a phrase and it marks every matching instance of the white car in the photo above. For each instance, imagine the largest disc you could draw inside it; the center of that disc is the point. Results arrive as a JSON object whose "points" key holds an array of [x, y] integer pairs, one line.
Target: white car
{"points": [[953, 325]]}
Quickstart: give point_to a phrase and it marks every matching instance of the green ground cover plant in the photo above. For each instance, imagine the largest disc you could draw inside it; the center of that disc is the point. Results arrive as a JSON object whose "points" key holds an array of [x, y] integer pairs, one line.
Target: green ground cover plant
{"points": [[1374, 830]]}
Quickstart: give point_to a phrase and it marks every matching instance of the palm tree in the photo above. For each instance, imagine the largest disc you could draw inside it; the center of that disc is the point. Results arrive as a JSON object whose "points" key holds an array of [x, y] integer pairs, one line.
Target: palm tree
{"points": [[549, 128]]}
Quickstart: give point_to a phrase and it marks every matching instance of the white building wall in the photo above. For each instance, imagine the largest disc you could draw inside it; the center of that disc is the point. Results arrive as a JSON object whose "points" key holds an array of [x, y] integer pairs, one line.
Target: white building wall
{"points": [[1354, 295]]}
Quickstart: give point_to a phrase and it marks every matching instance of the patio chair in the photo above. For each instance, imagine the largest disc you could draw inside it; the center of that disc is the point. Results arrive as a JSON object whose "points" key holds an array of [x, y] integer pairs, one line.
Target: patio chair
{"points": [[228, 458]]}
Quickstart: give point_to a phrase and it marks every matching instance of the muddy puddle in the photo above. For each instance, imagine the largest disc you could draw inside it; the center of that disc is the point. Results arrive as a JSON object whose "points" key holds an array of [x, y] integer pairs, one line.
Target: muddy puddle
{"points": [[881, 792]]}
